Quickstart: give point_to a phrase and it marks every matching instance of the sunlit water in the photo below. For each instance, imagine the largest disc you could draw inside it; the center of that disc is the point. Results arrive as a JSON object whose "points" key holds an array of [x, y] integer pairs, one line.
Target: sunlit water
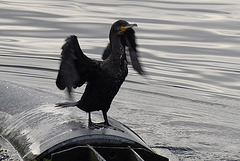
{"points": [[190, 50]]}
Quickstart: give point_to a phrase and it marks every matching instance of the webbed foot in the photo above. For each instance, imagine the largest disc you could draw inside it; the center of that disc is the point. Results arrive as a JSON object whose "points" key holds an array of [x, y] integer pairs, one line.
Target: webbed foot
{"points": [[92, 125]]}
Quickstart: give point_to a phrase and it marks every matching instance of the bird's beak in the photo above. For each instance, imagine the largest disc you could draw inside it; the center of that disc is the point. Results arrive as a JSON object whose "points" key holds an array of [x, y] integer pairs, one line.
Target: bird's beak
{"points": [[124, 28]]}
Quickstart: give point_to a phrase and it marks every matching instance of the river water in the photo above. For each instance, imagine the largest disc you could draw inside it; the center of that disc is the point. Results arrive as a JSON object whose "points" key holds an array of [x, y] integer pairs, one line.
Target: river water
{"points": [[189, 103]]}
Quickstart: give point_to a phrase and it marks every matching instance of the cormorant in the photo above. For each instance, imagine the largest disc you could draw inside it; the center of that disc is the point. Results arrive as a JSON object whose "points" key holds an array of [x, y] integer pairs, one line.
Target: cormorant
{"points": [[104, 78], [127, 39]]}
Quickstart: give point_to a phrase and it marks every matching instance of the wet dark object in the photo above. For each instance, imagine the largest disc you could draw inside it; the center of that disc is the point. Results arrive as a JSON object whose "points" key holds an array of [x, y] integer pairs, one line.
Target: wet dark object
{"points": [[128, 40], [104, 78], [38, 130]]}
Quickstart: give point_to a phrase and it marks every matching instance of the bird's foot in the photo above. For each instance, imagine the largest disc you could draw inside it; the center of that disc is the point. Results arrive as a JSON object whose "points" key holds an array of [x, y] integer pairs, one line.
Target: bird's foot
{"points": [[66, 104], [92, 125]]}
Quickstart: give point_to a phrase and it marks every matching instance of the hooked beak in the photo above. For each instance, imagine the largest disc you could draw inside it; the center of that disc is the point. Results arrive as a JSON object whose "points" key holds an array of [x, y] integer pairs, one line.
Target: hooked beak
{"points": [[124, 28]]}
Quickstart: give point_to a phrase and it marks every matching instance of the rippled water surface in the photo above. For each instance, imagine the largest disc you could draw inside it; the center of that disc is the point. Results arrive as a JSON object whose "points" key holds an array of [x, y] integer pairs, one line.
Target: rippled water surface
{"points": [[190, 50]]}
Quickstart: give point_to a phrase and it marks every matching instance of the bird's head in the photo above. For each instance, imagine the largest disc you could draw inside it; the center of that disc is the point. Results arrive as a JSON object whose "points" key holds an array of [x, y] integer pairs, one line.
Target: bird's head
{"points": [[120, 26]]}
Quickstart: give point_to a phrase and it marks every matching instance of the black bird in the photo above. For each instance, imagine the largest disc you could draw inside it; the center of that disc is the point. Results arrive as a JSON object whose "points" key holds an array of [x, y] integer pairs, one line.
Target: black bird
{"points": [[104, 78], [127, 39]]}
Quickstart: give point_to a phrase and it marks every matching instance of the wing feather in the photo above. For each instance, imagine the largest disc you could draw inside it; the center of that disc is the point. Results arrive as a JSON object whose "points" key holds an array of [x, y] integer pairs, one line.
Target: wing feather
{"points": [[107, 51], [75, 67], [129, 40]]}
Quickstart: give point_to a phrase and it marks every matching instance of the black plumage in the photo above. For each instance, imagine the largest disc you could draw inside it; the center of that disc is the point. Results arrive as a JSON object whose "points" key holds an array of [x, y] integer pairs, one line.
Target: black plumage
{"points": [[104, 78], [128, 39]]}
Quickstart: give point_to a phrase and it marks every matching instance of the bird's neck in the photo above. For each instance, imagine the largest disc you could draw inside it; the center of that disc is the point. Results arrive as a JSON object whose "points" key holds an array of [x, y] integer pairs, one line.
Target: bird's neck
{"points": [[117, 48]]}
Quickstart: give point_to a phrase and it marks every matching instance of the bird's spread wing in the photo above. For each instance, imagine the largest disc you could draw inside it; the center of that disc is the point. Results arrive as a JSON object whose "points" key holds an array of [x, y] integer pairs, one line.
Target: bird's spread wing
{"points": [[107, 52], [129, 40], [75, 68]]}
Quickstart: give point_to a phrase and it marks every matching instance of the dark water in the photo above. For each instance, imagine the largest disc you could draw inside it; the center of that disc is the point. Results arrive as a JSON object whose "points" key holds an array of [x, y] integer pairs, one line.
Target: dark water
{"points": [[190, 49]]}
